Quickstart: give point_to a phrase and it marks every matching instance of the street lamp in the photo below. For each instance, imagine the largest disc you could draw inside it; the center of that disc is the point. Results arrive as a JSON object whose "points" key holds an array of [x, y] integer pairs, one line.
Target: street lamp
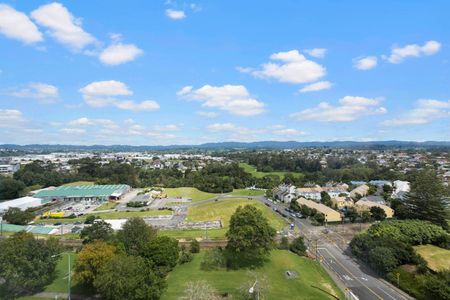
{"points": [[251, 290], [69, 275]]}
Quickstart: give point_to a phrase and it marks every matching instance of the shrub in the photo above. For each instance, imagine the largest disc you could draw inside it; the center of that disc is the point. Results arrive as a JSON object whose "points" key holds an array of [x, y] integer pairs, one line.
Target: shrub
{"points": [[185, 257], [298, 246], [213, 259], [284, 243], [195, 246]]}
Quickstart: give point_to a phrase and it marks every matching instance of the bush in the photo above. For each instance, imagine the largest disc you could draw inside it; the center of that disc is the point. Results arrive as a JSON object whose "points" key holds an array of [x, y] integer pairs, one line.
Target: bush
{"points": [[284, 243], [382, 260], [185, 257], [195, 246], [135, 204], [213, 259], [298, 246], [16, 216]]}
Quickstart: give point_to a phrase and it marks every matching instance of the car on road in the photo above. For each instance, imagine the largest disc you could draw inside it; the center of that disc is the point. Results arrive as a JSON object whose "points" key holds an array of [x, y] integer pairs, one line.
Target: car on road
{"points": [[57, 224]]}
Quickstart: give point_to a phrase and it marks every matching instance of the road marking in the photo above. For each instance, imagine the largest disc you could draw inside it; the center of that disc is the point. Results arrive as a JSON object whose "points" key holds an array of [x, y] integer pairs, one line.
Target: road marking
{"points": [[329, 253]]}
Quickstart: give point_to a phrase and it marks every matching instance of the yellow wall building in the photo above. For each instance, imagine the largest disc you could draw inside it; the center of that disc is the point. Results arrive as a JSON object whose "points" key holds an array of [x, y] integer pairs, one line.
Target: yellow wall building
{"points": [[364, 205], [330, 214]]}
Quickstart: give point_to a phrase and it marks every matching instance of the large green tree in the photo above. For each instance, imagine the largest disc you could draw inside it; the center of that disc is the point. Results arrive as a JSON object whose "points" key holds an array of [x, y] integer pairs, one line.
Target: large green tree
{"points": [[426, 201], [135, 236], [100, 230], [10, 188], [17, 216], [26, 264], [250, 237], [162, 252], [128, 277]]}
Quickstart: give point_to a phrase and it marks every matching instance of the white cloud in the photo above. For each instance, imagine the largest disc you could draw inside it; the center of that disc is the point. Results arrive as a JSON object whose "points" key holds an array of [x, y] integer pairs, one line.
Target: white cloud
{"points": [[317, 52], [175, 14], [119, 53], [73, 130], [84, 121], [16, 25], [426, 111], [291, 67], [168, 127], [10, 118], [398, 54], [350, 108], [45, 93], [207, 114], [288, 131], [317, 86], [221, 127], [63, 26], [105, 93], [365, 63], [235, 99]]}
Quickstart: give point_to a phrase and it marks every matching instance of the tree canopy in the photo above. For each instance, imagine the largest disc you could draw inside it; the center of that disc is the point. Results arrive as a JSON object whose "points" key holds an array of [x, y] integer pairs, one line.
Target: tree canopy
{"points": [[250, 237]]}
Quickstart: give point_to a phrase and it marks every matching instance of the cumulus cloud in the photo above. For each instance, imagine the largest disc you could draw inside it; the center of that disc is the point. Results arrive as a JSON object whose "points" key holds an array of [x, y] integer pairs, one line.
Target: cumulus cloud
{"points": [[234, 99], [317, 52], [317, 86], [84, 121], [288, 132], [208, 114], [10, 118], [119, 53], [399, 54], [365, 63], [73, 130], [106, 93], [63, 26], [350, 108], [426, 111], [168, 127], [16, 25], [43, 92], [175, 14], [289, 67], [221, 127]]}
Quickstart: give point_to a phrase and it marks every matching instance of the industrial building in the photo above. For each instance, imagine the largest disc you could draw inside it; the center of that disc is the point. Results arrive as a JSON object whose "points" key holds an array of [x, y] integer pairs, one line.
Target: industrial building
{"points": [[330, 214], [84, 192], [21, 203]]}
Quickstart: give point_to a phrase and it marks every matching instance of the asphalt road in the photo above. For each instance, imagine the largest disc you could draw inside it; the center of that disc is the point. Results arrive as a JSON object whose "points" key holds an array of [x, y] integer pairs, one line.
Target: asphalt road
{"points": [[357, 278]]}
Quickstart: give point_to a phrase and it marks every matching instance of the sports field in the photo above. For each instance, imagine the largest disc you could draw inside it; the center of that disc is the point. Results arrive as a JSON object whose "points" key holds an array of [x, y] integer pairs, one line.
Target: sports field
{"points": [[312, 283], [245, 192], [438, 259], [255, 173], [224, 208]]}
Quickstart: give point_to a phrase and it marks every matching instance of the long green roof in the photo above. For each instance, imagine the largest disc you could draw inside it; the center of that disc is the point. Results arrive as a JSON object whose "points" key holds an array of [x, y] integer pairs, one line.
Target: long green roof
{"points": [[82, 191]]}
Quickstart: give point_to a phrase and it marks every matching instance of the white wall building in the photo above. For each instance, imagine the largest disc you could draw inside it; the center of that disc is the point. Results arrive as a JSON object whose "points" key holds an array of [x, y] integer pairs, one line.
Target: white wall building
{"points": [[21, 203]]}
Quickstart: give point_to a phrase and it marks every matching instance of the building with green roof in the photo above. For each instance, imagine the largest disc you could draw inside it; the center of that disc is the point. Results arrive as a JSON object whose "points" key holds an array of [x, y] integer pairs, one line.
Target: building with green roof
{"points": [[84, 192]]}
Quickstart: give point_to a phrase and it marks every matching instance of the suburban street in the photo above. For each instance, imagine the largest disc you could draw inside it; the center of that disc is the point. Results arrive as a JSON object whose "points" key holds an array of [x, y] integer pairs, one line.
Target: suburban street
{"points": [[331, 251]]}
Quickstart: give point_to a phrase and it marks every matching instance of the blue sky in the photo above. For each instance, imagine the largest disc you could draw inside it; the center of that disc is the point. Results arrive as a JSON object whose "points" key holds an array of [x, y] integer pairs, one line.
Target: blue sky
{"points": [[173, 72]]}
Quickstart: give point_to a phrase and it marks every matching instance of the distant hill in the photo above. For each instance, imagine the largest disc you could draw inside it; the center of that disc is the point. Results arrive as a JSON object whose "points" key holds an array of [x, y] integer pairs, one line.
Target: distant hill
{"points": [[379, 145]]}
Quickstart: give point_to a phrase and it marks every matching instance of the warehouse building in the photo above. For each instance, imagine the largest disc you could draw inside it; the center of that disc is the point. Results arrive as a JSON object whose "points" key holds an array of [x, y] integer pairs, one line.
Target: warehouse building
{"points": [[330, 214], [21, 203], [85, 192]]}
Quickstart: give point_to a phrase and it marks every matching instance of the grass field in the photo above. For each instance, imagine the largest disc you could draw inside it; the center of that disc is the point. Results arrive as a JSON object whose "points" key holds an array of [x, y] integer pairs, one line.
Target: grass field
{"points": [[213, 234], [245, 192], [188, 192], [223, 209], [438, 259], [109, 215], [252, 170], [310, 275], [80, 183], [107, 205]]}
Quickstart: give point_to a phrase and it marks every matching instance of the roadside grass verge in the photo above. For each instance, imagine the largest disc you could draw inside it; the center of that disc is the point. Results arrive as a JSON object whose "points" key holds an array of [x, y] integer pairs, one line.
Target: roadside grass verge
{"points": [[310, 275]]}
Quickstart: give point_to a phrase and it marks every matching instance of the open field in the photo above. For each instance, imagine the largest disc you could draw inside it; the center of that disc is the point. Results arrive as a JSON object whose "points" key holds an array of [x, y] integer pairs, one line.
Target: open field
{"points": [[310, 275], [80, 183], [223, 209], [252, 170], [213, 234], [438, 259], [109, 215], [107, 205], [188, 192], [244, 192]]}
